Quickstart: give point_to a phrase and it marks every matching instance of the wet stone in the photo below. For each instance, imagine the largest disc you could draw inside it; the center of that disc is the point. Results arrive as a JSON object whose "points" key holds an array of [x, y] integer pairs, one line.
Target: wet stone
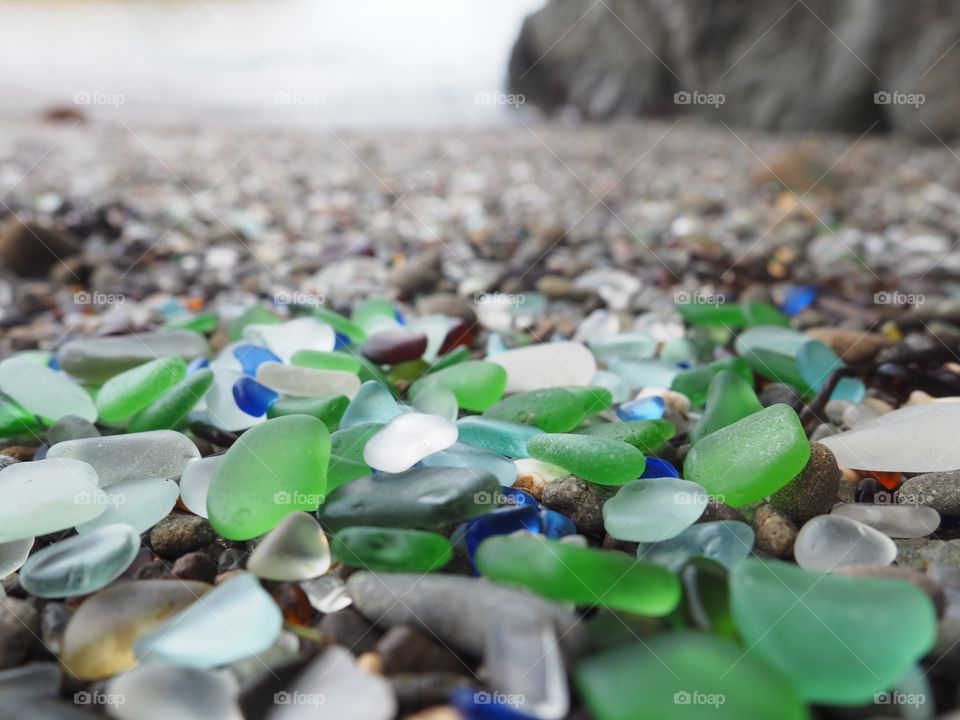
{"points": [[349, 628], [814, 491], [19, 628], [940, 491], [775, 532], [404, 649], [579, 500], [178, 535], [195, 566]]}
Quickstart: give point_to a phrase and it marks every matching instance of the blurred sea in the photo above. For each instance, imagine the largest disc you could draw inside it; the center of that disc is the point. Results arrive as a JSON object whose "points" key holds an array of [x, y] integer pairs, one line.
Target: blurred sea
{"points": [[421, 63]]}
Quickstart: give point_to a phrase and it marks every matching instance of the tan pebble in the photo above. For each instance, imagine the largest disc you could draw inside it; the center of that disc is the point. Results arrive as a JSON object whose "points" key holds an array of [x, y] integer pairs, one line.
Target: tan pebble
{"points": [[440, 712], [678, 402], [881, 406], [532, 484], [775, 532], [850, 475], [851, 345], [371, 662], [919, 397]]}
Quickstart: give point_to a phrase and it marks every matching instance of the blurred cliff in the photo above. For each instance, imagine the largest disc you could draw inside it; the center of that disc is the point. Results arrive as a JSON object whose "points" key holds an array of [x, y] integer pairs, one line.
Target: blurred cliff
{"points": [[779, 65]]}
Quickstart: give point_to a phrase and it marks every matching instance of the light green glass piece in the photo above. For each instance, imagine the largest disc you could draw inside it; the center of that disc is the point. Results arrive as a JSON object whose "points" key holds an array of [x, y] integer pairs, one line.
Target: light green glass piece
{"points": [[695, 382], [580, 575], [373, 403], [98, 359], [644, 373], [341, 324], [44, 392], [320, 360], [653, 509], [294, 550], [131, 391], [625, 345], [275, 468], [552, 409], [234, 620], [597, 459], [141, 504], [15, 420], [154, 692], [645, 435], [504, 438], [170, 410], [685, 676], [374, 315], [788, 356], [81, 564], [729, 399], [45, 496], [437, 400], [328, 409], [135, 456], [752, 458], [477, 384], [392, 549], [727, 542], [423, 497], [845, 640], [201, 322]]}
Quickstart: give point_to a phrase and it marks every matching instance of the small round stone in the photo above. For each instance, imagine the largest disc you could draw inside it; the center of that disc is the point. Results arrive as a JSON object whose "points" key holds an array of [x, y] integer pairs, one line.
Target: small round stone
{"points": [[776, 533], [814, 491], [177, 535]]}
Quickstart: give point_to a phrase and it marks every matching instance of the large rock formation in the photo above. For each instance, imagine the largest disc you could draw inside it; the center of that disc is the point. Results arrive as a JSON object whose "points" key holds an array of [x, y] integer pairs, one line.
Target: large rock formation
{"points": [[766, 64]]}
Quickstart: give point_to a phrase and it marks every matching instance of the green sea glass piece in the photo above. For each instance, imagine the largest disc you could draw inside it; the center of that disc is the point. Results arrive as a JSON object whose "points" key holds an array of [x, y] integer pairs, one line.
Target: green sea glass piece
{"points": [[132, 390], [424, 497], [327, 408], [275, 468], [477, 384], [647, 436], [170, 410], [552, 409], [392, 549], [695, 382], [254, 315], [597, 459], [788, 356], [729, 399], [81, 564], [341, 324], [752, 458], [331, 360], [16, 420], [840, 640], [581, 575], [685, 676]]}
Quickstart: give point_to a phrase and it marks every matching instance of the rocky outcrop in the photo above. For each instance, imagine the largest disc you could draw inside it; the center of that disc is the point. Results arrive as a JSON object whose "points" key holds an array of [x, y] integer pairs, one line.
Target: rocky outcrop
{"points": [[765, 64]]}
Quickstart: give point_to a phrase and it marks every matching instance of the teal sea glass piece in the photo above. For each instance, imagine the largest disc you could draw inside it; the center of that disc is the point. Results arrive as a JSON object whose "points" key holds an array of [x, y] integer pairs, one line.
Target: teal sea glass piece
{"points": [[461, 455], [373, 403], [81, 564], [504, 438], [788, 356], [234, 620]]}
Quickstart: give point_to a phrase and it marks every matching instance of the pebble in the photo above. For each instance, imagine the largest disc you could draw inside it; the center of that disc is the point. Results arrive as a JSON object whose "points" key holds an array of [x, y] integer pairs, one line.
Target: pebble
{"points": [[19, 630], [349, 628], [829, 542], [579, 500], [853, 346], [814, 491], [31, 250], [775, 532], [71, 427], [454, 609], [178, 535], [939, 490], [786, 633], [406, 650], [920, 553], [195, 566]]}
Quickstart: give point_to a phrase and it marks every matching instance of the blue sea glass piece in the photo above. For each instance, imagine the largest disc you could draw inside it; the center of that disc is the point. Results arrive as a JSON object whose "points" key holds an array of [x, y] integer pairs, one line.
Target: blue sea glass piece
{"points": [[646, 408], [556, 525], [798, 299], [483, 705], [253, 356], [342, 341], [505, 520], [252, 397], [657, 468], [197, 364]]}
